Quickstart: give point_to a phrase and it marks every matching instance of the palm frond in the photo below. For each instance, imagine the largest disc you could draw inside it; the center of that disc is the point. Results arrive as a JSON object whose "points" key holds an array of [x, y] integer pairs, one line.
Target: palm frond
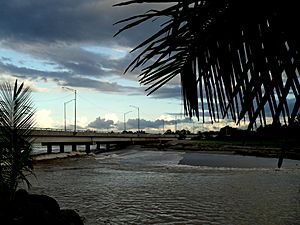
{"points": [[242, 56], [16, 123]]}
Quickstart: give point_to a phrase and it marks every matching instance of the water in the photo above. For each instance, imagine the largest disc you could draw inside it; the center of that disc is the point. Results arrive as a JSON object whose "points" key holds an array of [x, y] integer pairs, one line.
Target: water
{"points": [[39, 149], [151, 187]]}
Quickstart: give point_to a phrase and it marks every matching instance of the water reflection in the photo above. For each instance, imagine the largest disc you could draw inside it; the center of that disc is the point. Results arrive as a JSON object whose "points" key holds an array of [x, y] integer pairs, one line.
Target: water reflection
{"points": [[149, 187]]}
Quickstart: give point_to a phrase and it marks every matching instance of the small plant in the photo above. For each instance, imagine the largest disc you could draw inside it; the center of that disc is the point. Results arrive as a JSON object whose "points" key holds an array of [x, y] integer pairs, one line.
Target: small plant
{"points": [[16, 122]]}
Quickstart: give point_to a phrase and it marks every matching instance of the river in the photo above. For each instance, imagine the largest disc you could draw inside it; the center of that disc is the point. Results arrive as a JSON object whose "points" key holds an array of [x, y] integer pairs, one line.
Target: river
{"points": [[136, 186]]}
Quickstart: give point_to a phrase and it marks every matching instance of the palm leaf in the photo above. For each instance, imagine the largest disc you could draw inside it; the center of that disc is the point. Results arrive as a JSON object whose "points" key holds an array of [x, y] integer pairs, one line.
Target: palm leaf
{"points": [[16, 123], [242, 56]]}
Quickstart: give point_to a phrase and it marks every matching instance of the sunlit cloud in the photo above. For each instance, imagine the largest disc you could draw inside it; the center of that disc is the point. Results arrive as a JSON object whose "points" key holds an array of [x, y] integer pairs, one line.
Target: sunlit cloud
{"points": [[166, 117], [26, 60], [43, 118], [111, 116], [34, 86], [111, 52]]}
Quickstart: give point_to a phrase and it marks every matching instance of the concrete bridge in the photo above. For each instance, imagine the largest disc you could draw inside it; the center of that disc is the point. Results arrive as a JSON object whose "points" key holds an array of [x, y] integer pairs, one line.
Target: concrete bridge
{"points": [[49, 138]]}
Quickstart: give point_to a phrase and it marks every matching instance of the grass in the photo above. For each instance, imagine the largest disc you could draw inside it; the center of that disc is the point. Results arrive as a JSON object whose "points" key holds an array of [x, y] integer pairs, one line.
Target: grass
{"points": [[251, 143]]}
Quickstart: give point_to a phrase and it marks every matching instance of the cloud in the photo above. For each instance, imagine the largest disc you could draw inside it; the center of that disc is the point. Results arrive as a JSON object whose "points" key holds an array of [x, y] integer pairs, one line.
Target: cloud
{"points": [[71, 43], [66, 78], [68, 21], [53, 20], [110, 122], [111, 116], [132, 124], [44, 120], [29, 83], [99, 123], [82, 122], [168, 91]]}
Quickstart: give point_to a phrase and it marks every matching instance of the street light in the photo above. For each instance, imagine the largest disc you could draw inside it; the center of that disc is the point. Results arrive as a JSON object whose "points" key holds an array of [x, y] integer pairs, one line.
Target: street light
{"points": [[138, 109], [125, 120], [65, 113], [75, 93], [175, 123]]}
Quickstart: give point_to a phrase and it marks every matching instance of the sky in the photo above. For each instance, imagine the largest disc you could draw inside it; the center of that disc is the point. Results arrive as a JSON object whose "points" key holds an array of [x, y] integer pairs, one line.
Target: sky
{"points": [[58, 47]]}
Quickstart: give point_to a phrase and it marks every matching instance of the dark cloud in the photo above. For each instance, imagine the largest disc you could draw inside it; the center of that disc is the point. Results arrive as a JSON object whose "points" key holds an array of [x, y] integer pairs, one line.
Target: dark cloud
{"points": [[68, 21], [178, 122], [168, 91], [132, 124], [67, 79], [5, 59], [102, 124], [57, 32], [53, 20], [149, 124], [290, 104], [71, 57]]}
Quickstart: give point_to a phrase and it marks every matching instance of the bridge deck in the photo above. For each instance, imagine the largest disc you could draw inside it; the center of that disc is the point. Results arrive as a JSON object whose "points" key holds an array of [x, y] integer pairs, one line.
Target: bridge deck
{"points": [[61, 138]]}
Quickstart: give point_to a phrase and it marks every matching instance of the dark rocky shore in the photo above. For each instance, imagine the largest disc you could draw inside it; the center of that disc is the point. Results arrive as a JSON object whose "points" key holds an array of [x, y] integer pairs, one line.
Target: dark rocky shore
{"points": [[36, 210]]}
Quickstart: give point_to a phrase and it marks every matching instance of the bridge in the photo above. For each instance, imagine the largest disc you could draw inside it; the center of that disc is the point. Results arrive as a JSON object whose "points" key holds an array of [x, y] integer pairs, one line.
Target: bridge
{"points": [[49, 138]]}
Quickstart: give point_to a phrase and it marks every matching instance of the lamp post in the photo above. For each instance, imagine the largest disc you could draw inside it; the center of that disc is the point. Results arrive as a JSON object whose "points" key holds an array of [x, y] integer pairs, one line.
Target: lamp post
{"points": [[125, 120], [75, 93], [65, 113], [193, 126], [175, 123], [138, 109]]}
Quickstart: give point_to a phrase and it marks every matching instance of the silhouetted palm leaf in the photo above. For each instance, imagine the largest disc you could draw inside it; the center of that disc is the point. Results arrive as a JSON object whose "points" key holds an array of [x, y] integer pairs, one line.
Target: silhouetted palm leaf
{"points": [[16, 122], [242, 56]]}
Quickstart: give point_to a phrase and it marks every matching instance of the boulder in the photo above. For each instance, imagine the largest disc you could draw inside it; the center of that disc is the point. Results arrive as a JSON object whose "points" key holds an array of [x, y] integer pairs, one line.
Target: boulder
{"points": [[36, 210]]}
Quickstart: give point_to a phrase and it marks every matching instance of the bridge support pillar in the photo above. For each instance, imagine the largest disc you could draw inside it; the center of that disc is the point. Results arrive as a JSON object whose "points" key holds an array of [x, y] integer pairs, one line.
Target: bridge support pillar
{"points": [[107, 147], [61, 148], [74, 147], [87, 148], [98, 146], [49, 149]]}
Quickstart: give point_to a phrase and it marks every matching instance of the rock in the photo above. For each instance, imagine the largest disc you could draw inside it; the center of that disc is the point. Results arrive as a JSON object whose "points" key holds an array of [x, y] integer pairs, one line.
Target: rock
{"points": [[71, 216], [36, 210]]}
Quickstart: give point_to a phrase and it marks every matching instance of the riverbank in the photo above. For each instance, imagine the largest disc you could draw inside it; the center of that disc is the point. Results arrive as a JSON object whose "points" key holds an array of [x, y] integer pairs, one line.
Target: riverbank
{"points": [[46, 156], [209, 147], [226, 148]]}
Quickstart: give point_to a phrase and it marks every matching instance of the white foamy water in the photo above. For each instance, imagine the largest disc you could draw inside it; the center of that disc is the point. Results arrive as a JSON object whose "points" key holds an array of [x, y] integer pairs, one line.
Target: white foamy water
{"points": [[151, 187]]}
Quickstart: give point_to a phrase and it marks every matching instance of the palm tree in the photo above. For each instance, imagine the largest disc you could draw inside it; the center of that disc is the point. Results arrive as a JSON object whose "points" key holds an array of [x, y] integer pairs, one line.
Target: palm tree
{"points": [[16, 123], [235, 58]]}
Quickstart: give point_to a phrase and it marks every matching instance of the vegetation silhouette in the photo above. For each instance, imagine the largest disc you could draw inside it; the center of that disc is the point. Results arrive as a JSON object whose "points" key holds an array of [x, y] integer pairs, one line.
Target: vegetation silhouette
{"points": [[16, 123], [234, 58]]}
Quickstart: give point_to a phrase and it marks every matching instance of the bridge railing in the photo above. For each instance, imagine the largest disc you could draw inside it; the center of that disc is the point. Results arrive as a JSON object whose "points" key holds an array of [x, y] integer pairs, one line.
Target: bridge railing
{"points": [[58, 129], [67, 130], [61, 132]]}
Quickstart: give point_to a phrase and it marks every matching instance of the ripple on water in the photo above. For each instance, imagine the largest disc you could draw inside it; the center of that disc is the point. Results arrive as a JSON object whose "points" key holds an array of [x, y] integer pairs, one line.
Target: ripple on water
{"points": [[109, 191]]}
